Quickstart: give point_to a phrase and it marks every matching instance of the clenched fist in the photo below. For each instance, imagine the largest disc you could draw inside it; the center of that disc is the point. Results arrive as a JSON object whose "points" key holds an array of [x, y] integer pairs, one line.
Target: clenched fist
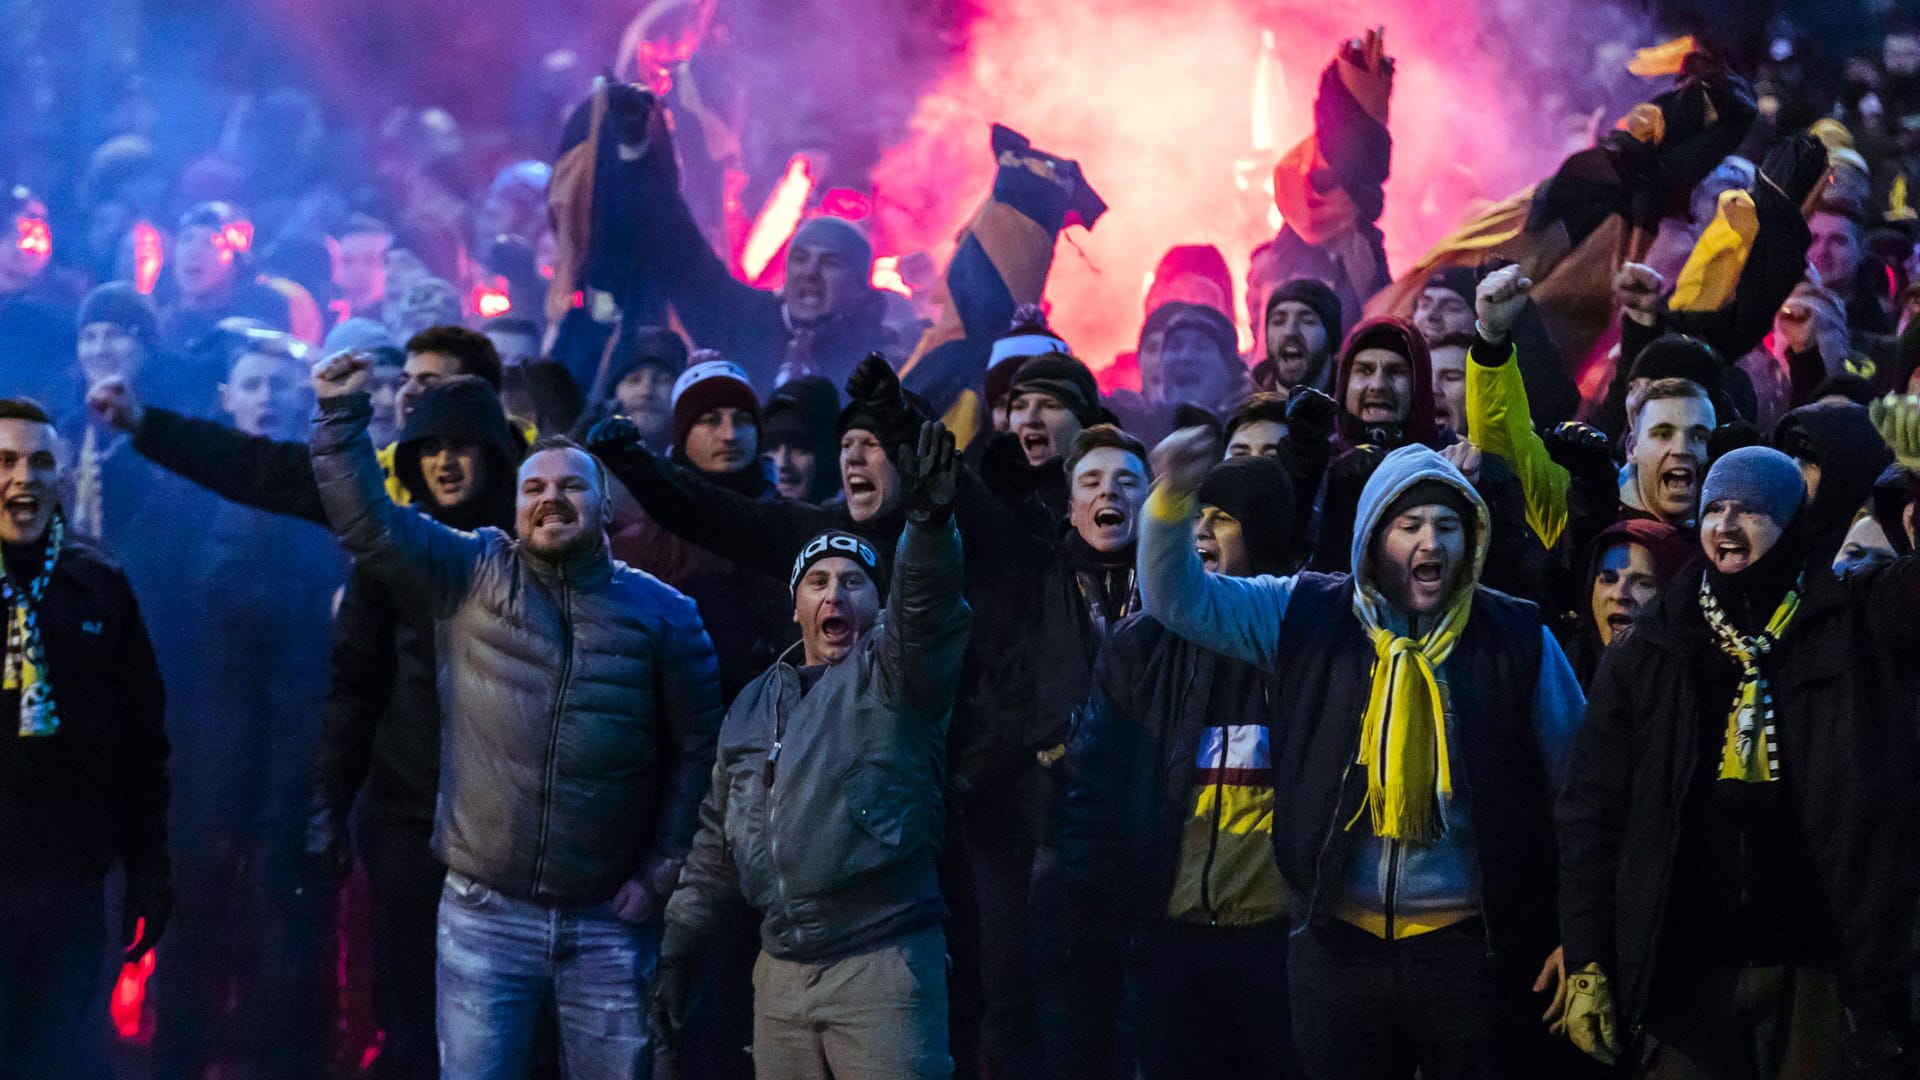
{"points": [[341, 374]]}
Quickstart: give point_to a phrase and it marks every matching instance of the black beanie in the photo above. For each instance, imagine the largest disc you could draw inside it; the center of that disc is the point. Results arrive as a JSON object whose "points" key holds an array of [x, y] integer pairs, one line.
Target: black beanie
{"points": [[1208, 321], [801, 413], [1064, 379], [1462, 281], [1258, 493], [834, 544], [1317, 296], [895, 423], [1677, 356], [1432, 492], [119, 303]]}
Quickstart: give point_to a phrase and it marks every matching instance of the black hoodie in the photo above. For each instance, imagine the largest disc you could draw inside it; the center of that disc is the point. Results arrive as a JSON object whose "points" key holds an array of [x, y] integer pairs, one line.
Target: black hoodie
{"points": [[1851, 455], [382, 723]]}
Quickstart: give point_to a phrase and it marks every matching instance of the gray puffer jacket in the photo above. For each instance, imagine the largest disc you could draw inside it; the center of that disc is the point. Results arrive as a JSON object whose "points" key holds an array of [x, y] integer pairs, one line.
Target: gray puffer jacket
{"points": [[834, 840], [579, 701]]}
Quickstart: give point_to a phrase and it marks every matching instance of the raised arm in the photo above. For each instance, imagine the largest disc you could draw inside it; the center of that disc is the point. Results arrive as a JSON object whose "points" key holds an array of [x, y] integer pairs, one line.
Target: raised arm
{"points": [[417, 556], [1236, 617], [1499, 420], [925, 629], [755, 534], [251, 470]]}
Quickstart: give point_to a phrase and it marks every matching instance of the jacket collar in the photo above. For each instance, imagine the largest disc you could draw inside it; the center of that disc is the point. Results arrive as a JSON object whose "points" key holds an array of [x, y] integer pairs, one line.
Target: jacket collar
{"points": [[586, 571]]}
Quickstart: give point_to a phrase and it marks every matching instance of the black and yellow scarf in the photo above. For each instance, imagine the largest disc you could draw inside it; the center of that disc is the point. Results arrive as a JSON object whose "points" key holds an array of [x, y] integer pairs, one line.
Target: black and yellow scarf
{"points": [[1751, 752], [26, 667]]}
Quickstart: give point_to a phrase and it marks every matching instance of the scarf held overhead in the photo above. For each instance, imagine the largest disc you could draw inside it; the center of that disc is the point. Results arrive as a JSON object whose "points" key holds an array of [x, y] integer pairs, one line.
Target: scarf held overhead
{"points": [[1403, 734]]}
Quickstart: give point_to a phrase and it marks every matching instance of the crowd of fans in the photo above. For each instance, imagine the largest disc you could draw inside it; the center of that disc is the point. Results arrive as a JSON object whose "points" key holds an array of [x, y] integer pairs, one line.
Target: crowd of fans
{"points": [[1503, 669]]}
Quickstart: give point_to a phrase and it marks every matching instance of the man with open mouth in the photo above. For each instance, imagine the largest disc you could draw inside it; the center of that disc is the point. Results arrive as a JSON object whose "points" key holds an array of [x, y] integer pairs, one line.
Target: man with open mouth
{"points": [[83, 768], [1166, 838], [825, 809], [1051, 400], [1420, 725], [581, 707], [1737, 883], [1626, 566]]}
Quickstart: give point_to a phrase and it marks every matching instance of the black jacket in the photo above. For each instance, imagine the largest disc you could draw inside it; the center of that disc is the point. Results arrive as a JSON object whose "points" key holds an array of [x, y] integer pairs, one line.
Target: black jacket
{"points": [[263, 473], [1043, 609], [747, 325], [1132, 761], [95, 791], [1845, 721], [834, 840], [759, 535]]}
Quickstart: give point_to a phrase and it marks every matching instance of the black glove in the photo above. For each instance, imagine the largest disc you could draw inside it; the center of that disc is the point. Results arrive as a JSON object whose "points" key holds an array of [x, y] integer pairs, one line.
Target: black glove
{"points": [[1311, 417], [1581, 449], [149, 899], [1795, 165], [629, 107], [874, 382], [667, 999], [616, 442], [929, 475]]}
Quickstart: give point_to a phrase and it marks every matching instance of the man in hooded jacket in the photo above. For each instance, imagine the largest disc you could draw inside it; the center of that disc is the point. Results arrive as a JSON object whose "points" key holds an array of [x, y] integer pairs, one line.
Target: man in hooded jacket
{"points": [[1421, 724]]}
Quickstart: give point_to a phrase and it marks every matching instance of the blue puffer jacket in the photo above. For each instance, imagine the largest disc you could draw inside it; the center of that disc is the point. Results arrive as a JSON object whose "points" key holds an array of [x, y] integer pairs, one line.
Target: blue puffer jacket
{"points": [[579, 700]]}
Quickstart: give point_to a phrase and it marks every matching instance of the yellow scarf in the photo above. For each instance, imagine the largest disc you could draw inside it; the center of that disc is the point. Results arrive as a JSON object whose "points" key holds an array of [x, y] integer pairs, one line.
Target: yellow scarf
{"points": [[1751, 752], [1403, 736]]}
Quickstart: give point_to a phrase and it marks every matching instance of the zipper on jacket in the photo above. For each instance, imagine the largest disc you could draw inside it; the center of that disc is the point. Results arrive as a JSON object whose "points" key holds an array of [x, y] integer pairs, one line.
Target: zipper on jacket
{"points": [[1213, 837], [553, 728], [773, 812]]}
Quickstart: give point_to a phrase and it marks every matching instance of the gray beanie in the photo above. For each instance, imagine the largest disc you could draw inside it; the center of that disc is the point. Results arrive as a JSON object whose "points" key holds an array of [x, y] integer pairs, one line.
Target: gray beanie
{"points": [[1760, 478], [840, 236]]}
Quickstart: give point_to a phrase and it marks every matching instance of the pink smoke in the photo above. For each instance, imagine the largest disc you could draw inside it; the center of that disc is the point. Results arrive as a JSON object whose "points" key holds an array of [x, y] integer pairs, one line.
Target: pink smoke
{"points": [[1155, 99]]}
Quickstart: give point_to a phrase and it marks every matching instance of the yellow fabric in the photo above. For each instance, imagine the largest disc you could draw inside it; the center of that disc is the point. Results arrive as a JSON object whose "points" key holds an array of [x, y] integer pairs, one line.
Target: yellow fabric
{"points": [[1898, 206], [1666, 58], [1496, 230], [1746, 755], [1832, 134], [1591, 1020], [396, 490], [964, 420], [1645, 122], [1403, 735], [1226, 873], [1500, 423], [1168, 508], [1375, 923], [1707, 281]]}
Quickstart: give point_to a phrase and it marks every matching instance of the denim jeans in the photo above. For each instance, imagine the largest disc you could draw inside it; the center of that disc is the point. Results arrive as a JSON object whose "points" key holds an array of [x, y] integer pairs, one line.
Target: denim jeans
{"points": [[503, 960]]}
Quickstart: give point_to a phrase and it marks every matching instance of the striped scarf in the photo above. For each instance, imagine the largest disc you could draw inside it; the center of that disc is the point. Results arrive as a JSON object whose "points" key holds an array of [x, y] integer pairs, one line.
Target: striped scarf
{"points": [[1403, 735], [26, 668], [1751, 753]]}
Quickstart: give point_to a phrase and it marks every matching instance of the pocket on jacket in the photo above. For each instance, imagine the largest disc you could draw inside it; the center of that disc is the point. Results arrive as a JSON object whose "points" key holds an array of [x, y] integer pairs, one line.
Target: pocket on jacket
{"points": [[879, 801]]}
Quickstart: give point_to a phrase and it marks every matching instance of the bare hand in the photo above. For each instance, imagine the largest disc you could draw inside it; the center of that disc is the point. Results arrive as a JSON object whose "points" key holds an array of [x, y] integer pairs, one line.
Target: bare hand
{"points": [[1182, 459], [1465, 457], [1553, 981], [1500, 299], [341, 374], [1795, 326], [113, 406], [1637, 288], [635, 903]]}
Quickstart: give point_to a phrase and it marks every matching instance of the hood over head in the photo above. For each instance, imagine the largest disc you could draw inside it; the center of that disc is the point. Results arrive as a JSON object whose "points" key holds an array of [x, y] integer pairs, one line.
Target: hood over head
{"points": [[462, 409], [1403, 470], [1396, 335]]}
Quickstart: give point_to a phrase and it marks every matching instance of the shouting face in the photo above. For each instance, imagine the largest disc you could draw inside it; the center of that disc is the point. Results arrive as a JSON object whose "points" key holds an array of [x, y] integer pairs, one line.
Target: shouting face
{"points": [[820, 282], [1380, 387], [1296, 341], [835, 606], [561, 508], [1440, 312], [1191, 370], [868, 477], [1669, 456], [1419, 557], [1623, 588], [1450, 388], [455, 472], [265, 393], [1045, 427], [1107, 487], [29, 472], [1736, 535], [1222, 545]]}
